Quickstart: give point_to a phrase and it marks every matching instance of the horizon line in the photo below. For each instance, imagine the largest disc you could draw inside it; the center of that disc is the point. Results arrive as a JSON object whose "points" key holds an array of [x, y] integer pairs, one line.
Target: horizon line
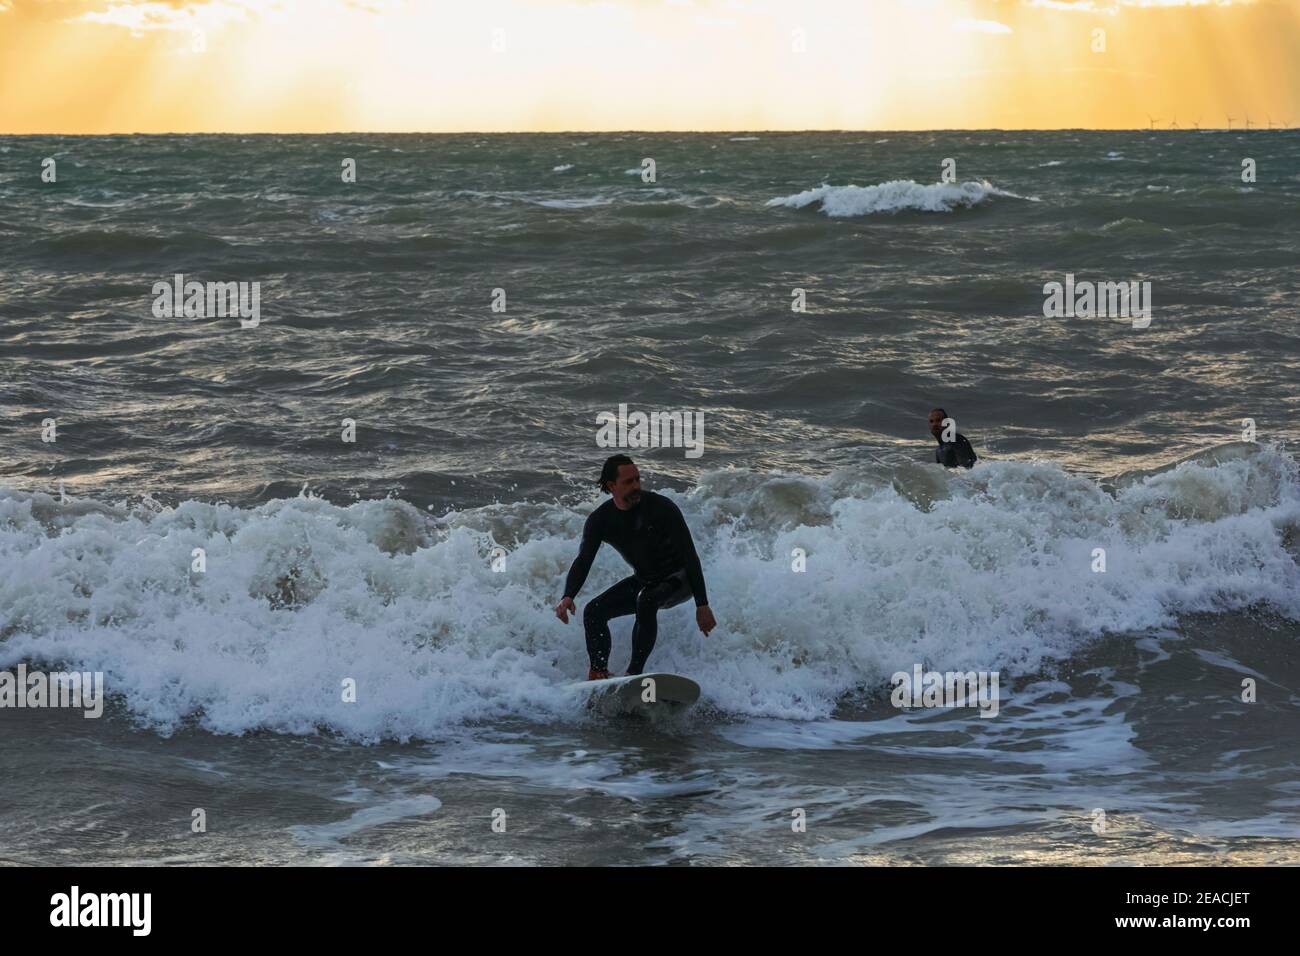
{"points": [[656, 132]]}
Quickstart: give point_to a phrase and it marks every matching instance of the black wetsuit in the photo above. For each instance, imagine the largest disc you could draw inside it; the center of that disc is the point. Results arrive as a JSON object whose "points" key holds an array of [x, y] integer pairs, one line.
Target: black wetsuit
{"points": [[652, 537], [950, 454]]}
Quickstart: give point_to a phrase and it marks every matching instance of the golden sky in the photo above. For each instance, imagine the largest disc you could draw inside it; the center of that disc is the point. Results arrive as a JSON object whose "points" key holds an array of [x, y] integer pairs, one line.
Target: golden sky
{"points": [[115, 66]]}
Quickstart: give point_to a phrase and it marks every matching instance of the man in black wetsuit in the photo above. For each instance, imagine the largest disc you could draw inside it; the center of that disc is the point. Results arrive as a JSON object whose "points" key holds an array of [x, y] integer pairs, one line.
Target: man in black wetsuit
{"points": [[648, 530], [950, 454]]}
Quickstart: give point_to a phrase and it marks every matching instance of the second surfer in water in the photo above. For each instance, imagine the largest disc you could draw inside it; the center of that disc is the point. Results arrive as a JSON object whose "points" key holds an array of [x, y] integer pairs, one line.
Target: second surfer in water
{"points": [[648, 530], [954, 451]]}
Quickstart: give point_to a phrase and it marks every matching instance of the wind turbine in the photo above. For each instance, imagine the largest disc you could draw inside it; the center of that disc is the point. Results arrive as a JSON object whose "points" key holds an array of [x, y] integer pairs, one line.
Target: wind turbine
{"points": [[1270, 121], [1230, 119], [1153, 121], [1197, 123], [1173, 124], [1248, 122]]}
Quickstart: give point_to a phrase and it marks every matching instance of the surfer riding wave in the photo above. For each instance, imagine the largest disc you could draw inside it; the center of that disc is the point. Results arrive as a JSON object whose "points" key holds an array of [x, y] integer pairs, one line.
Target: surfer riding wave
{"points": [[648, 530]]}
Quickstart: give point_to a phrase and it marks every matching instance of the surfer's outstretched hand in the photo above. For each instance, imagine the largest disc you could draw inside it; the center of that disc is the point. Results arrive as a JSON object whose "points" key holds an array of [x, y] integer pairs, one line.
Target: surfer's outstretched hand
{"points": [[565, 608], [704, 618]]}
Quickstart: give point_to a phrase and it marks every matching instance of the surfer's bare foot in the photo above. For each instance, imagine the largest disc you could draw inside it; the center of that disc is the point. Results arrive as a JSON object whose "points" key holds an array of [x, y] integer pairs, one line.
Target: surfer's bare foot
{"points": [[594, 674]]}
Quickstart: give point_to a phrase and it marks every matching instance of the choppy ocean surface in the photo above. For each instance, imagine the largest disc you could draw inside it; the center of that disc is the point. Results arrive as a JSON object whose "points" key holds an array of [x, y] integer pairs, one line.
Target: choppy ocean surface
{"points": [[1122, 735]]}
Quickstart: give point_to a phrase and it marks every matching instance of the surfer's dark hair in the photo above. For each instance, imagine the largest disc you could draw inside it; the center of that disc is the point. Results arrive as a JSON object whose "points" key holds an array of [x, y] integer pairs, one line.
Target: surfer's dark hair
{"points": [[942, 411], [609, 471]]}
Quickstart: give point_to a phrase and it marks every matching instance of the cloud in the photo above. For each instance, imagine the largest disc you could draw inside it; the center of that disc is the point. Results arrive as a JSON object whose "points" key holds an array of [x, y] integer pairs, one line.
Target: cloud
{"points": [[376, 6], [1111, 7], [153, 15], [145, 16], [1076, 6], [981, 26]]}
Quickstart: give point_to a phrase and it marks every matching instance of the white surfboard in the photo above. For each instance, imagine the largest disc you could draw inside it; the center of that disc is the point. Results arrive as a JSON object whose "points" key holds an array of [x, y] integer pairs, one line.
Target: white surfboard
{"points": [[646, 694]]}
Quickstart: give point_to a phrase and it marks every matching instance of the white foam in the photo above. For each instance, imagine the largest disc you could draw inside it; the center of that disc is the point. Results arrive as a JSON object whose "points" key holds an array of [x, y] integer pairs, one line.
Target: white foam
{"points": [[894, 197], [329, 834], [987, 570], [585, 203]]}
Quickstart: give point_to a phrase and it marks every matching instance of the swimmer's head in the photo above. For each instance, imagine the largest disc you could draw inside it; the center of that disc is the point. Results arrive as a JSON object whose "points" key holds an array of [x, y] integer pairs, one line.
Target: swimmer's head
{"points": [[937, 415], [620, 478]]}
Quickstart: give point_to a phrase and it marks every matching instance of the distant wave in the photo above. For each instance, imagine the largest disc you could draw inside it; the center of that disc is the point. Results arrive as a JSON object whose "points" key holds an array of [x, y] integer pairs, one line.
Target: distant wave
{"points": [[895, 196], [504, 198], [121, 242]]}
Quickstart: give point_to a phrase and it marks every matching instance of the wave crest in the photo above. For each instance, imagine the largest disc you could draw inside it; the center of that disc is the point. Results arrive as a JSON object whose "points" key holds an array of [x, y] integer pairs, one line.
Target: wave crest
{"points": [[904, 563], [896, 196]]}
